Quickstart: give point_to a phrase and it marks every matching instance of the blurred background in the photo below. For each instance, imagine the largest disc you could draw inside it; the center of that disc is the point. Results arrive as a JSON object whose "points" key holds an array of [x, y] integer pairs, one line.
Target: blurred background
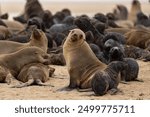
{"points": [[78, 7]]}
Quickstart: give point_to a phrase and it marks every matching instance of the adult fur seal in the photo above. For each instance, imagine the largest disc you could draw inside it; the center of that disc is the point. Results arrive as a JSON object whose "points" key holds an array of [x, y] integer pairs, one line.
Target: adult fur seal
{"points": [[139, 36], [80, 60], [15, 61], [5, 75], [135, 8], [34, 73], [37, 38]]}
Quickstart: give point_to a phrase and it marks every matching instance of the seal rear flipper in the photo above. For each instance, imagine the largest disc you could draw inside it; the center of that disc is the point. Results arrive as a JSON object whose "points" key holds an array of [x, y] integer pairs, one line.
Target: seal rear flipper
{"points": [[123, 82], [65, 89], [28, 83], [113, 91], [84, 90], [139, 80], [39, 82], [9, 78]]}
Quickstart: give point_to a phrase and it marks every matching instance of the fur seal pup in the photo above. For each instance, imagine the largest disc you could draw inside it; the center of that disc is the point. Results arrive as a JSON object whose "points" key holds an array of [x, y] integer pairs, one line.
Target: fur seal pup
{"points": [[135, 52], [142, 19], [15, 61], [130, 73], [34, 73], [37, 38], [107, 79], [80, 60], [121, 12]]}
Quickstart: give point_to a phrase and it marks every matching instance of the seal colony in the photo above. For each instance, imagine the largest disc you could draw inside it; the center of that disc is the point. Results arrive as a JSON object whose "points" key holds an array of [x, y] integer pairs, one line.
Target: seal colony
{"points": [[99, 52]]}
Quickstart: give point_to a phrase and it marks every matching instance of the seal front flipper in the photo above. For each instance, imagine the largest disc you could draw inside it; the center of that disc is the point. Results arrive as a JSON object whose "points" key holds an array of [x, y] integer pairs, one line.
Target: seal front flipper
{"points": [[84, 90], [65, 89], [113, 91]]}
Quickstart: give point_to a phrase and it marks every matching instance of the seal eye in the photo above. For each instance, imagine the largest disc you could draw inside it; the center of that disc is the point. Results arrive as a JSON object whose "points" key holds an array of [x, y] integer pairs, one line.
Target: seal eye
{"points": [[72, 31], [81, 36], [36, 52]]}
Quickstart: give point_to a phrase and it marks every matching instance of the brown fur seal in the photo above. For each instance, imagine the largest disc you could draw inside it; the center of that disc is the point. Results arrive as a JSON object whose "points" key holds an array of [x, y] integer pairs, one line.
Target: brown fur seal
{"points": [[120, 12], [14, 25], [5, 75], [108, 79], [4, 33], [34, 73], [139, 37], [118, 30], [80, 60], [33, 8], [37, 38], [15, 61], [135, 8]]}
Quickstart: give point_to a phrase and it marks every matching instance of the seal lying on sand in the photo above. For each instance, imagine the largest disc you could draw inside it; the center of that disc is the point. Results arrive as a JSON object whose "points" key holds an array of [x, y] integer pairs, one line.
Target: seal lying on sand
{"points": [[34, 73], [37, 38], [4, 33], [107, 79], [5, 75], [15, 61], [139, 36], [81, 62]]}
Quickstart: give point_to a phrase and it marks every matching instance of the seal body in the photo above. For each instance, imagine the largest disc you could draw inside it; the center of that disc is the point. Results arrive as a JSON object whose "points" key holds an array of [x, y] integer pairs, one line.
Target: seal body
{"points": [[80, 60], [15, 61], [37, 39], [107, 79], [34, 73]]}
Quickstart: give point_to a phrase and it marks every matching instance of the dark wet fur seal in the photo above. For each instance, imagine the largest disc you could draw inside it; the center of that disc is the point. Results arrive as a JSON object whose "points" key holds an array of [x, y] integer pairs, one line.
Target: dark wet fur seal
{"points": [[130, 73], [115, 36], [142, 19], [135, 52], [107, 80], [56, 59]]}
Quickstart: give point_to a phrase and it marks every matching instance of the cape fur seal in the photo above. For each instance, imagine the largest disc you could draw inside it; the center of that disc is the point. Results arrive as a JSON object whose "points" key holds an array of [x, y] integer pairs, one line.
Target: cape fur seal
{"points": [[135, 8], [139, 36], [15, 61], [130, 73], [107, 79], [37, 38], [4, 33], [80, 60], [34, 73], [5, 75]]}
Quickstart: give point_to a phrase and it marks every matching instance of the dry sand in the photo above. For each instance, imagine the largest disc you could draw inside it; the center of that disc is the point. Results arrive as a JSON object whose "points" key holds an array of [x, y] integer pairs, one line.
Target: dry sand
{"points": [[133, 90]]}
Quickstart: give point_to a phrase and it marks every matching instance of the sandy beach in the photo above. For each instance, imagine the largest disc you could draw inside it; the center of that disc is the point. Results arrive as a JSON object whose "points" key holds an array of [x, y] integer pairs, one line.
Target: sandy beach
{"points": [[132, 90]]}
